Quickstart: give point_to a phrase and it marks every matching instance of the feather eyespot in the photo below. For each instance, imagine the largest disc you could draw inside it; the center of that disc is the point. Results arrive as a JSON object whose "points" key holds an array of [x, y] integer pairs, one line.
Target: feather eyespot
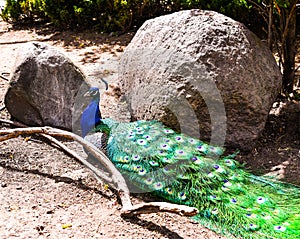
{"points": [[225, 188], [215, 211], [142, 142], [182, 195], [165, 146], [233, 200], [153, 163], [142, 172], [169, 190], [169, 131], [216, 150], [229, 162], [136, 157], [131, 136], [180, 152], [179, 139], [192, 141], [227, 184], [124, 159], [218, 168], [166, 170], [213, 197], [261, 200], [149, 181], [267, 217], [253, 226], [166, 160], [147, 137], [162, 153], [279, 228], [196, 160], [202, 148], [158, 186], [251, 215]]}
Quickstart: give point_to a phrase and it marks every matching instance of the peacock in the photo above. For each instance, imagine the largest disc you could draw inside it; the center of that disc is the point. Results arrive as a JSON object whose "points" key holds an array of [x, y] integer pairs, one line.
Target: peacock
{"points": [[185, 170]]}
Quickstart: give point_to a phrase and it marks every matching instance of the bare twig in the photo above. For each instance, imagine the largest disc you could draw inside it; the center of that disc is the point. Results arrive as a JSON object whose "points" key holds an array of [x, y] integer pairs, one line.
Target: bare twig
{"points": [[288, 19]]}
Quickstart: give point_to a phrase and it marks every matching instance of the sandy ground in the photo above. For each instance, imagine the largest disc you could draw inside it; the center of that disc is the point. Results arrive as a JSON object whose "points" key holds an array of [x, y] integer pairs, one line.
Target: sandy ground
{"points": [[46, 194]]}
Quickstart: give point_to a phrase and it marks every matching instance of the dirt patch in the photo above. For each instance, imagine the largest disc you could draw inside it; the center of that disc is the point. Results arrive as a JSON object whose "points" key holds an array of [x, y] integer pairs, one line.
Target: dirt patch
{"points": [[46, 194]]}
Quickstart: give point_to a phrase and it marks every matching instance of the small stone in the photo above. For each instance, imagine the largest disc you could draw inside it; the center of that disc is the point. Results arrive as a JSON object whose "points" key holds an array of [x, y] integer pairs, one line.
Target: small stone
{"points": [[3, 185]]}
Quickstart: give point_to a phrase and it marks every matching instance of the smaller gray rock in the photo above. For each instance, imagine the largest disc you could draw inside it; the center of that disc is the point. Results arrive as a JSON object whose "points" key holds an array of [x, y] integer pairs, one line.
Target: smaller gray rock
{"points": [[43, 86]]}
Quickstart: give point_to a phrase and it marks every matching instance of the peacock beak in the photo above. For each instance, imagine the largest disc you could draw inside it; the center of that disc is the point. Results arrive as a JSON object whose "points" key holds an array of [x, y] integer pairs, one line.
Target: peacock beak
{"points": [[88, 94]]}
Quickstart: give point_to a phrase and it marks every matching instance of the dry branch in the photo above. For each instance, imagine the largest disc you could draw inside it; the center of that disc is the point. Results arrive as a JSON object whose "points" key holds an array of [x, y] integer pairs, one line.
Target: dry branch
{"points": [[116, 179], [145, 208]]}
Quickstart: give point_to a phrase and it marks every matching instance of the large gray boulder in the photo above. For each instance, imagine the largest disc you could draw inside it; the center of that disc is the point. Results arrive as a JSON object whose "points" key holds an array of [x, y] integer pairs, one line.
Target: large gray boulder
{"points": [[43, 86], [202, 73]]}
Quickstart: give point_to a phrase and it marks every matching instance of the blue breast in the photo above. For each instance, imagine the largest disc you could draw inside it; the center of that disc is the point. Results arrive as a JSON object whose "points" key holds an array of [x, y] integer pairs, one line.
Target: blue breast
{"points": [[90, 117]]}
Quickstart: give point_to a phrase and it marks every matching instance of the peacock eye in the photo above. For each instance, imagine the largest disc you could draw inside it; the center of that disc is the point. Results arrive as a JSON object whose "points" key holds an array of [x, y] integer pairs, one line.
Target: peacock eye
{"points": [[149, 181], [142, 142], [252, 226], [142, 172], [182, 195], [192, 141], [279, 228], [194, 159], [215, 211], [179, 139], [165, 146], [169, 190], [153, 163], [158, 186], [136, 157], [180, 152], [168, 131], [260, 200]]}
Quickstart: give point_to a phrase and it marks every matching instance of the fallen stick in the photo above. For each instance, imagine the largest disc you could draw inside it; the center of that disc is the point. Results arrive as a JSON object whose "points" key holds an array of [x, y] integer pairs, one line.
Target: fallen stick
{"points": [[151, 207], [116, 179]]}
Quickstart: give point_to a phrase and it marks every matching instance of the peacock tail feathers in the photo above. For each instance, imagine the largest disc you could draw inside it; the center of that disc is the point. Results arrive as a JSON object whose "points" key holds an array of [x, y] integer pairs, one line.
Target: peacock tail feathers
{"points": [[185, 170], [188, 171]]}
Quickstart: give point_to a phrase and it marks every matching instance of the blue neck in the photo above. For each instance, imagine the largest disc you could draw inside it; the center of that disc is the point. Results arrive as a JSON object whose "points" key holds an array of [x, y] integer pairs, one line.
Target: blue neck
{"points": [[90, 117]]}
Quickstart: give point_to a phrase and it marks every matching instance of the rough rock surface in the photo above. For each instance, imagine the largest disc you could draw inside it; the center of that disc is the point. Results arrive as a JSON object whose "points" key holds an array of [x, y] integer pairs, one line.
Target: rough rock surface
{"points": [[202, 73], [43, 86]]}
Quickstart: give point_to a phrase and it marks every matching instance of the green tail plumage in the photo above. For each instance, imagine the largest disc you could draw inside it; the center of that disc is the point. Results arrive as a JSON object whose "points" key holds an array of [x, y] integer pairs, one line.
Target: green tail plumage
{"points": [[185, 170]]}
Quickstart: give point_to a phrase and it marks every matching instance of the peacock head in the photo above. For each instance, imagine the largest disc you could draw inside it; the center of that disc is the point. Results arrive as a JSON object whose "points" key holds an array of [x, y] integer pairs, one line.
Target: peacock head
{"points": [[93, 92]]}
